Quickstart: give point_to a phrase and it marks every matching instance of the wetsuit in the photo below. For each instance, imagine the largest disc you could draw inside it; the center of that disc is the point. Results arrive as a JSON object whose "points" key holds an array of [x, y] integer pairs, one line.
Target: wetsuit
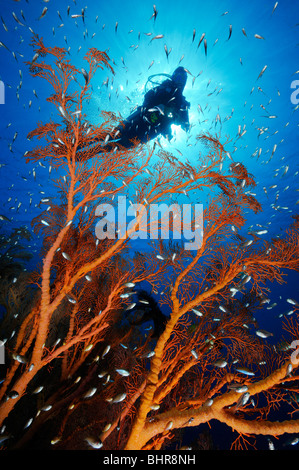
{"points": [[162, 106]]}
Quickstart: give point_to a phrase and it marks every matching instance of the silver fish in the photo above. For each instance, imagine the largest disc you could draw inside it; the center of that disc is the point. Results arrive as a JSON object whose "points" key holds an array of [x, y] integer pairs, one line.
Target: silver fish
{"points": [[16, 18], [106, 350], [66, 256], [243, 399], [3, 45], [270, 444], [169, 425], [262, 71], [238, 388], [201, 39], [125, 296], [209, 402], [274, 8], [154, 15], [155, 407], [244, 370], [71, 299], [102, 374], [159, 36], [131, 306], [4, 25], [150, 354], [294, 441], [19, 358], [220, 363], [194, 353], [263, 333], [197, 312], [123, 372], [107, 427], [93, 443], [55, 440], [85, 75], [4, 437], [90, 392], [119, 398], [289, 369], [64, 113], [28, 423], [43, 13], [167, 52], [46, 407], [130, 284]]}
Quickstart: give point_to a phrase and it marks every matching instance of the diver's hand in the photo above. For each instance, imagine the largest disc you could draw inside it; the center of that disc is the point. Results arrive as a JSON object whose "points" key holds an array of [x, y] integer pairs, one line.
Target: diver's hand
{"points": [[186, 103], [186, 127]]}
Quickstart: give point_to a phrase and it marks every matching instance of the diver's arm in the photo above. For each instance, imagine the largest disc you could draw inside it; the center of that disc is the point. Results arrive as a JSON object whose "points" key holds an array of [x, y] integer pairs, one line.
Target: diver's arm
{"points": [[150, 99], [184, 120]]}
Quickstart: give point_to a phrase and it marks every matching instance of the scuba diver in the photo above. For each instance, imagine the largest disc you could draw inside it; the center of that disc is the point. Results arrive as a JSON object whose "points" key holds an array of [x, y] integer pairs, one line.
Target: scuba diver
{"points": [[147, 309], [163, 106]]}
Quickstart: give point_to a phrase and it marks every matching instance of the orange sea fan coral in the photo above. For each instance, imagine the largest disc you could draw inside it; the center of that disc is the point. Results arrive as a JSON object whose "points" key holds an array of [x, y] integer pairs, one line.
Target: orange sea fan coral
{"points": [[106, 380]]}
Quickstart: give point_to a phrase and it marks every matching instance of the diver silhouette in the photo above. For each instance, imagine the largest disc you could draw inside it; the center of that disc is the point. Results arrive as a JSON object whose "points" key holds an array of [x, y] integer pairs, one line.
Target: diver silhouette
{"points": [[163, 106], [150, 311]]}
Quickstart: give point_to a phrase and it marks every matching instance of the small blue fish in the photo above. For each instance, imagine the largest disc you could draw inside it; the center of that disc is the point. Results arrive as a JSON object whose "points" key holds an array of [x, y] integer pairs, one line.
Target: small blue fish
{"points": [[245, 371]]}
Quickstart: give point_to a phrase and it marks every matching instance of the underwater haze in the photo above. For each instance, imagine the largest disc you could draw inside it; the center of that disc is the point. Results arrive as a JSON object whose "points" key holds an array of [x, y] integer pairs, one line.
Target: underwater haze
{"points": [[241, 60]]}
